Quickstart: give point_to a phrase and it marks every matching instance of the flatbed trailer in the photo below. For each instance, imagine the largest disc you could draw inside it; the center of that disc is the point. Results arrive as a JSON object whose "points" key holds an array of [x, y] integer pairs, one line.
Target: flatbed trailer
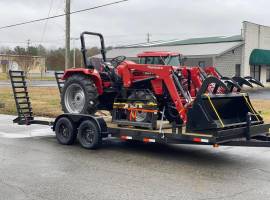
{"points": [[68, 127], [90, 130]]}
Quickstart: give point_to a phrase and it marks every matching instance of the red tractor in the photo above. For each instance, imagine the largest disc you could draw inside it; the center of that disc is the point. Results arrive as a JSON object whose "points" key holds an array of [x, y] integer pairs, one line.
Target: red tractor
{"points": [[176, 59], [192, 77], [107, 85]]}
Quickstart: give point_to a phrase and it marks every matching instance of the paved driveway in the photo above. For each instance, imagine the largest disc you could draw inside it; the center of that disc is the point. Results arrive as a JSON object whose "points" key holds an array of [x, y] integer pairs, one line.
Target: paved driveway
{"points": [[34, 166]]}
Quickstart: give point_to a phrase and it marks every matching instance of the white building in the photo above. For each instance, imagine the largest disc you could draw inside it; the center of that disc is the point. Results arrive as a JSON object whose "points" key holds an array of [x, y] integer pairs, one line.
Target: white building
{"points": [[246, 54], [31, 64]]}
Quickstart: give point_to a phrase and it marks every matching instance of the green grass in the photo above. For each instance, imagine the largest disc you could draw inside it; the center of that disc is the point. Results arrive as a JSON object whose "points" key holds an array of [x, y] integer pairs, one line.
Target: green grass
{"points": [[46, 102], [262, 106], [4, 77]]}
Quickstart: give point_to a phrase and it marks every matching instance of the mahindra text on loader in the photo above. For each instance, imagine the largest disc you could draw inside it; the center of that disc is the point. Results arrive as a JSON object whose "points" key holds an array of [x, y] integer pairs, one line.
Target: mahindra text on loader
{"points": [[147, 102]]}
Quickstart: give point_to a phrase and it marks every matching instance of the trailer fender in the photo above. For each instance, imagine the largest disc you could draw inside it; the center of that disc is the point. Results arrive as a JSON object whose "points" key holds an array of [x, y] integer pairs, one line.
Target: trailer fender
{"points": [[77, 119]]}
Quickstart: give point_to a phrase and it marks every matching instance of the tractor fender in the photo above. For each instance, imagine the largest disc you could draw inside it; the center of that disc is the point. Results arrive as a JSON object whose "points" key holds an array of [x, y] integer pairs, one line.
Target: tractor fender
{"points": [[77, 119], [93, 73]]}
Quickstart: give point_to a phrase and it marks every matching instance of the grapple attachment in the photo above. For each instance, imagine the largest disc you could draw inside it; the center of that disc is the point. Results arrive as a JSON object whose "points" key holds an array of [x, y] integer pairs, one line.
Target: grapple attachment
{"points": [[220, 111], [242, 81], [254, 81], [248, 81]]}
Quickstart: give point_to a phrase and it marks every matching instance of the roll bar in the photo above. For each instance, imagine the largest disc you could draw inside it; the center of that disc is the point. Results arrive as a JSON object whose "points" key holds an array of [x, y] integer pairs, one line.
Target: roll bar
{"points": [[84, 50]]}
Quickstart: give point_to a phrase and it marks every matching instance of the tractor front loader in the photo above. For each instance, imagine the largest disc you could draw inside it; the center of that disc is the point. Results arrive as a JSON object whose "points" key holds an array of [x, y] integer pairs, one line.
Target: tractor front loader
{"points": [[247, 80], [175, 59], [204, 113]]}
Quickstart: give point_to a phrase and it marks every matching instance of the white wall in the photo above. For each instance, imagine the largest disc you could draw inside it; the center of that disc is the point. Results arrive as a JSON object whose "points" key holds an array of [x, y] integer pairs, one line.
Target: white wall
{"points": [[256, 37], [195, 61], [227, 61]]}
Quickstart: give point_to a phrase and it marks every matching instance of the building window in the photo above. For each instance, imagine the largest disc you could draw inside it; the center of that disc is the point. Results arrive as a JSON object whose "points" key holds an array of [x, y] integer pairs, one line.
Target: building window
{"points": [[255, 72], [142, 60], [156, 60], [268, 74], [201, 64], [237, 69]]}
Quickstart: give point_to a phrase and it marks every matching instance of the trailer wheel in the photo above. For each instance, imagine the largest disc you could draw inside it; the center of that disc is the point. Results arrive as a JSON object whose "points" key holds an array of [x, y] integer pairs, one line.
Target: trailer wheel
{"points": [[89, 135], [65, 131]]}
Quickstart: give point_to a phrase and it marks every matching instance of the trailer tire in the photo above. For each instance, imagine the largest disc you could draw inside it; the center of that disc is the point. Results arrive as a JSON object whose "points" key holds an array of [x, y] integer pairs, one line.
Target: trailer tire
{"points": [[89, 135], [65, 131]]}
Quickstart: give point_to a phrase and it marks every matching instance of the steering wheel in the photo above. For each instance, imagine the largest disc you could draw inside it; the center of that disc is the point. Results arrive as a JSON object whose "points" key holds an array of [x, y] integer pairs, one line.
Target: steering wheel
{"points": [[117, 60]]}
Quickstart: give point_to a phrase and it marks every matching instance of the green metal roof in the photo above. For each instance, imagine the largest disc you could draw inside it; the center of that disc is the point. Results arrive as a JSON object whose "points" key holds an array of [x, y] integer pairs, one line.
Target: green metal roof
{"points": [[259, 57], [205, 40]]}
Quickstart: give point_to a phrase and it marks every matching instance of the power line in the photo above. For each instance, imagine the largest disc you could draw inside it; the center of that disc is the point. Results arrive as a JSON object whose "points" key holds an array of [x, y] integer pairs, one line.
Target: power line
{"points": [[67, 32], [46, 23], [61, 15]]}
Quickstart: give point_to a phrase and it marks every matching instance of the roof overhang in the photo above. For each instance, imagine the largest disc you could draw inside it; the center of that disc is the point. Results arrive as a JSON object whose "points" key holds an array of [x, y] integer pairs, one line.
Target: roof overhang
{"points": [[259, 57], [193, 50], [157, 54], [232, 48]]}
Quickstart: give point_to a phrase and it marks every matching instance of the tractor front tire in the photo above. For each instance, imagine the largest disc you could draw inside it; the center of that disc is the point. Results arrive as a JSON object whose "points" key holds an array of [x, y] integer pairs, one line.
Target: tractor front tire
{"points": [[79, 95], [142, 95]]}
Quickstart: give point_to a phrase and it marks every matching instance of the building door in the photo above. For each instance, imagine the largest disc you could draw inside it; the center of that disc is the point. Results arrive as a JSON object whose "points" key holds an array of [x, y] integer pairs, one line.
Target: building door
{"points": [[267, 73], [237, 69], [255, 72]]}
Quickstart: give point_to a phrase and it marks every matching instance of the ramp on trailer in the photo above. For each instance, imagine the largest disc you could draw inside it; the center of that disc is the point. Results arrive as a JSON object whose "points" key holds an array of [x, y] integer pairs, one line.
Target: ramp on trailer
{"points": [[59, 81]]}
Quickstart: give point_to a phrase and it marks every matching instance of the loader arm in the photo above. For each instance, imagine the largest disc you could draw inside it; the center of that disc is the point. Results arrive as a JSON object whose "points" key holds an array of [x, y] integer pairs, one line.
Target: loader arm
{"points": [[161, 72]]}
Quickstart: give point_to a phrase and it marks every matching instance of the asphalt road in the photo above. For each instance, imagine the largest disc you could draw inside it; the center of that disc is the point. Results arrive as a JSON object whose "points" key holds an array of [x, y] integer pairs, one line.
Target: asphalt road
{"points": [[34, 166]]}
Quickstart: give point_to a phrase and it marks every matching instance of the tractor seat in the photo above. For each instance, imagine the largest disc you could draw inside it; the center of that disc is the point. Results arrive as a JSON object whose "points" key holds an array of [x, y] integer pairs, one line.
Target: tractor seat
{"points": [[95, 63], [105, 76]]}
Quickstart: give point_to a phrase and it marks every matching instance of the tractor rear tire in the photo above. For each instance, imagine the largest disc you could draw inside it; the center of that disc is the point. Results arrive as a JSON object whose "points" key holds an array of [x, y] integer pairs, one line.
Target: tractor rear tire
{"points": [[79, 95]]}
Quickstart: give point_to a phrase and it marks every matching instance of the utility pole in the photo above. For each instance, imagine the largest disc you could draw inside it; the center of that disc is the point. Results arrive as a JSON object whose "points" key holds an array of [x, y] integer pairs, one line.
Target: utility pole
{"points": [[28, 45], [148, 37], [67, 52], [74, 51]]}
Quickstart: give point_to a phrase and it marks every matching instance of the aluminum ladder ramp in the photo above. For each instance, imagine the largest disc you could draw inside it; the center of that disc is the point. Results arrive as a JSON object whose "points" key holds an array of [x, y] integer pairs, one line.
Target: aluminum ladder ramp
{"points": [[21, 96], [60, 83]]}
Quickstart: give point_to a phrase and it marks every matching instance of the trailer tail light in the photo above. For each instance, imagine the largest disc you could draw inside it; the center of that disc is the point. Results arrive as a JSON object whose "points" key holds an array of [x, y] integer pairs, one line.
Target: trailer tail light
{"points": [[148, 140], [125, 137], [200, 140]]}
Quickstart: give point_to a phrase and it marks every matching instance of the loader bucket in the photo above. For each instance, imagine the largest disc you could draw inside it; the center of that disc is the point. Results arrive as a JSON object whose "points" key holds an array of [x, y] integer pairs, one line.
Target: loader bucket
{"points": [[221, 111]]}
